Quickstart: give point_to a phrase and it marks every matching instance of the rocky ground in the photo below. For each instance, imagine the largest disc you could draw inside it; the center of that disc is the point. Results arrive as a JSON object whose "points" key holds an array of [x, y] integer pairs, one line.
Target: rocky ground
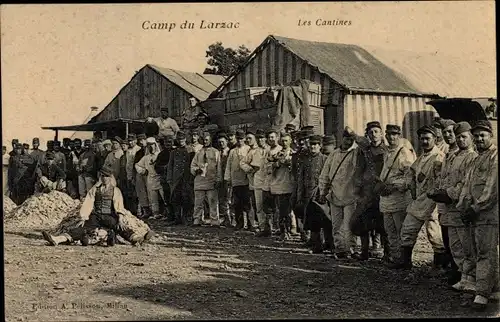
{"points": [[208, 273]]}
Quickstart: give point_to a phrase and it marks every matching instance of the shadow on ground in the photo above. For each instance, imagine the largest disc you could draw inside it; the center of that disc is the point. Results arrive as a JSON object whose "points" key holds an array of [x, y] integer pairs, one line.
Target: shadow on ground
{"points": [[246, 277]]}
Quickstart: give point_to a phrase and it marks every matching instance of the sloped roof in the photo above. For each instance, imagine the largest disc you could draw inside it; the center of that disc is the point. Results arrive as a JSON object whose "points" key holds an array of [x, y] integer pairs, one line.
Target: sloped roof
{"points": [[349, 65], [198, 85], [440, 74]]}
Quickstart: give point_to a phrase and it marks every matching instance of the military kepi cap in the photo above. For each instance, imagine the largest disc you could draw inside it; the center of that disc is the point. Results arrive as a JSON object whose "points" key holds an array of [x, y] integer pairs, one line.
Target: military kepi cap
{"points": [[49, 155], [373, 124], [447, 122], [290, 126], [132, 137], [315, 139], [106, 171], [427, 129], [328, 140], [483, 125], [392, 128], [141, 136], [240, 134], [461, 127], [180, 135], [36, 140]]}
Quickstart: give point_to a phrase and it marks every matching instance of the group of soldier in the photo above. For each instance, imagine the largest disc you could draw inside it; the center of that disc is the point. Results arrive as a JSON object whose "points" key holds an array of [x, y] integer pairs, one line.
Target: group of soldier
{"points": [[298, 183]]}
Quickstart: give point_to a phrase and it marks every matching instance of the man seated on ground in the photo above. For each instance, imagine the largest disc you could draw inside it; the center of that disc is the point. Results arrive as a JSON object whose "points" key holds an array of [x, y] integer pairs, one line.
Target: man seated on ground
{"points": [[102, 208], [50, 176]]}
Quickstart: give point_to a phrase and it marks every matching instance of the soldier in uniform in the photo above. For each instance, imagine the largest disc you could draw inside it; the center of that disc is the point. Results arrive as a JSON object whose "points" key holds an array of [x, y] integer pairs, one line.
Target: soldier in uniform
{"points": [[307, 185], [224, 188], [49, 176], [231, 135], [339, 184], [449, 138], [71, 158], [21, 175], [394, 195], [180, 180], [422, 210], [207, 170], [446, 194], [86, 170], [329, 145], [26, 148], [478, 203], [440, 142], [238, 180], [299, 156], [60, 158], [371, 163], [161, 169], [166, 124], [253, 155], [140, 180], [36, 152]]}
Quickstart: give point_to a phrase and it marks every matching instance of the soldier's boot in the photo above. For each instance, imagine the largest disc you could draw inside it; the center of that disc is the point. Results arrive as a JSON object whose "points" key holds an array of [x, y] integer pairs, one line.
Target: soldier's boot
{"points": [[328, 245], [365, 248], [54, 240], [439, 261], [480, 303], [467, 283], [146, 212], [111, 240], [405, 260], [317, 246]]}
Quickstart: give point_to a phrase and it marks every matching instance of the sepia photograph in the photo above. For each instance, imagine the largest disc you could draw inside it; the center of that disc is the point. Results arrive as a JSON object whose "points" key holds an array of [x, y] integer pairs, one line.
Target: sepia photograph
{"points": [[268, 160]]}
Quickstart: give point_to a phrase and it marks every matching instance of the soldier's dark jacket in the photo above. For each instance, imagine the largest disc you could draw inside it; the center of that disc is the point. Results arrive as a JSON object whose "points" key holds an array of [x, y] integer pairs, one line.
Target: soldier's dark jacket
{"points": [[53, 172], [308, 173], [179, 171]]}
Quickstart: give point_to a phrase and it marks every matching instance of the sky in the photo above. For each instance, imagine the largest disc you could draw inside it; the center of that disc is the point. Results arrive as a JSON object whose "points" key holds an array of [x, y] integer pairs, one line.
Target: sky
{"points": [[59, 60]]}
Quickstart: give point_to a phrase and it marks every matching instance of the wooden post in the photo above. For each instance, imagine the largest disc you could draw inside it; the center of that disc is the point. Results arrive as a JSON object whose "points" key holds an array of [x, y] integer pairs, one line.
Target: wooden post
{"points": [[56, 137], [126, 130]]}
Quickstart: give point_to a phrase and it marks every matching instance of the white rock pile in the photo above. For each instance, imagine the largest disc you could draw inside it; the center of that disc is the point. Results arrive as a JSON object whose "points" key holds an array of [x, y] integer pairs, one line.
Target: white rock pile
{"points": [[8, 205], [41, 211]]}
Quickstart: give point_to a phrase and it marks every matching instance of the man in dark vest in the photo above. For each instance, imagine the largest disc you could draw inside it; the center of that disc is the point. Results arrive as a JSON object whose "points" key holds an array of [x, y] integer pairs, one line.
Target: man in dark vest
{"points": [[100, 208]]}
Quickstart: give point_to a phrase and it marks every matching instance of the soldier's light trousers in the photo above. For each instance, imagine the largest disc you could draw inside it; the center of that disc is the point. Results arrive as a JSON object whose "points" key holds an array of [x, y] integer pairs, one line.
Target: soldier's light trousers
{"points": [[411, 228], [462, 249], [486, 245], [343, 239], [212, 198], [393, 223]]}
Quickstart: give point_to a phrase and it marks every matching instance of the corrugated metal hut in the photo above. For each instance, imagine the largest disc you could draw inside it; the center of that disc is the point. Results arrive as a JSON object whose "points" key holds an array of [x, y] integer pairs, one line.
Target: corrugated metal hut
{"points": [[153, 87], [356, 86]]}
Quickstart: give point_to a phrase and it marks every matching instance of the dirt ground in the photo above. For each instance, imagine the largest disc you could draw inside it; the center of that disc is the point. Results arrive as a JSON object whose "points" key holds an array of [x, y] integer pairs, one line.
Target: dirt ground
{"points": [[210, 273]]}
